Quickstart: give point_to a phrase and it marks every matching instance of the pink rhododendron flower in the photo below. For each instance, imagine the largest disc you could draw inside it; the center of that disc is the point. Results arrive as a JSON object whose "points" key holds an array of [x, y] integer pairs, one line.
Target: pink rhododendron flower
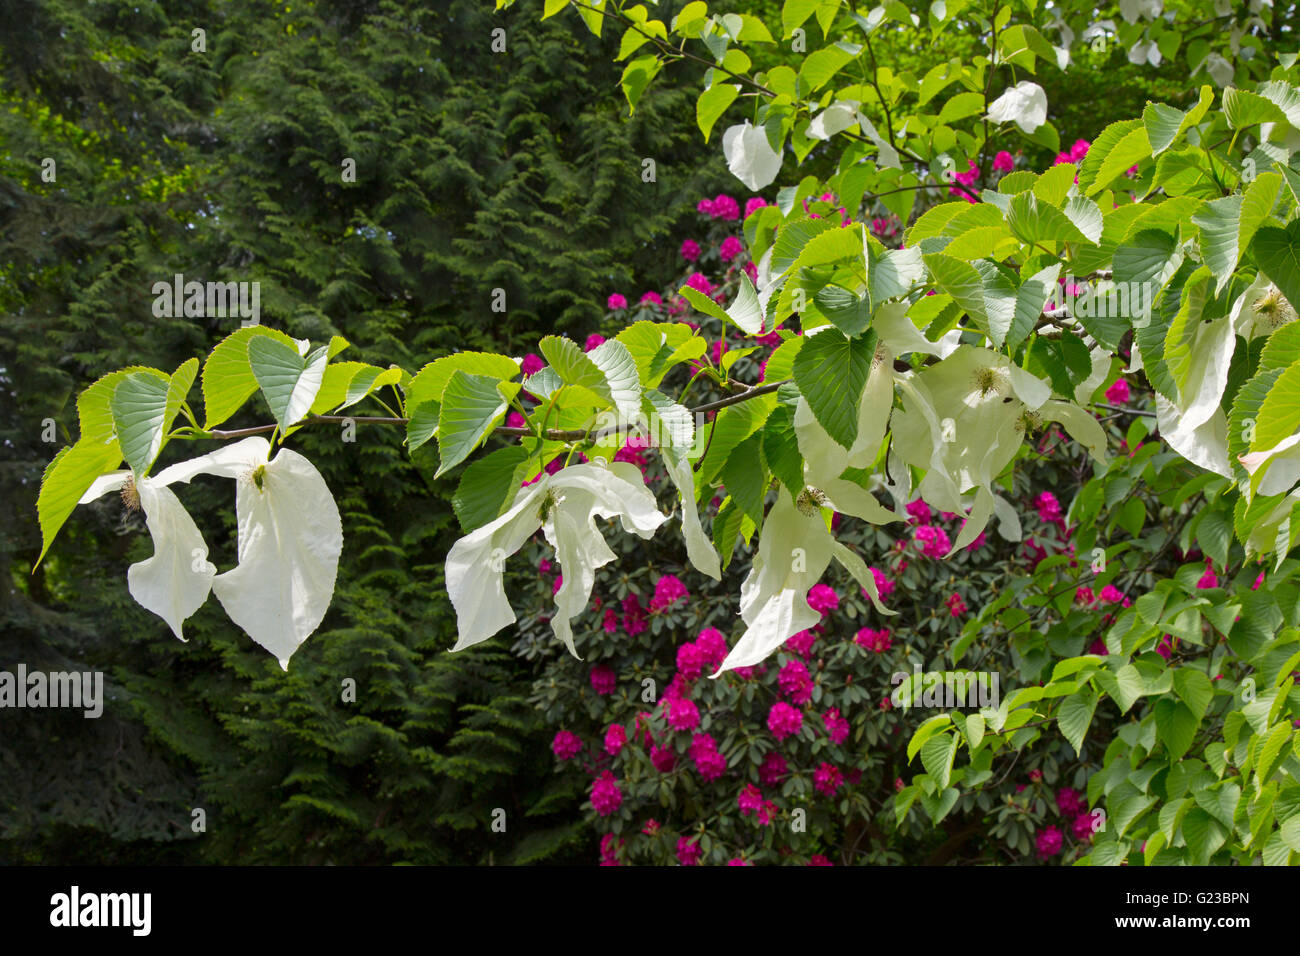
{"points": [[690, 662], [1069, 801], [1099, 647], [616, 301], [668, 591], [1167, 646], [712, 646], [750, 800], [822, 598], [1258, 581], [663, 758], [1118, 393], [615, 739], [1084, 595], [932, 540], [682, 713], [1079, 150], [606, 797], [1082, 827], [980, 540], [837, 728], [609, 850], [1049, 509], [700, 283], [737, 861], [875, 641], [566, 745], [610, 623], [795, 682], [883, 584], [724, 208], [751, 270], [515, 420], [603, 679], [544, 566], [651, 827], [773, 769], [920, 511], [956, 606], [690, 250], [1209, 579], [1111, 595], [652, 297], [688, 853], [633, 616], [709, 763], [784, 720], [827, 779], [1035, 775], [730, 248], [754, 204], [1004, 162], [559, 583], [801, 643], [819, 860], [1049, 842], [594, 340], [532, 364]]}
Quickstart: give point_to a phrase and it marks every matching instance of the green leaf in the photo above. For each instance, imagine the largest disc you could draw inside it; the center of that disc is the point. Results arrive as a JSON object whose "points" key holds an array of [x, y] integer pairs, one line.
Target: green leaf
{"points": [[1119, 146], [488, 487], [67, 477], [1033, 221], [937, 755], [831, 372], [289, 381], [1175, 726], [622, 382], [820, 65], [1243, 108], [140, 413], [228, 379], [745, 477], [1075, 716], [726, 527], [961, 280], [429, 382], [781, 447], [1278, 253], [472, 405], [848, 312], [1228, 225], [744, 310], [637, 76], [1194, 689], [712, 103], [1030, 299], [657, 347]]}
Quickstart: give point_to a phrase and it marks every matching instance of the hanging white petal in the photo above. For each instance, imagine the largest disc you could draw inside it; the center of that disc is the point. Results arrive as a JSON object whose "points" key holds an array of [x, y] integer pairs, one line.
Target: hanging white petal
{"points": [[175, 582], [583, 493], [1024, 104], [290, 539], [699, 549], [1280, 466], [750, 157], [794, 551], [565, 506], [836, 118]]}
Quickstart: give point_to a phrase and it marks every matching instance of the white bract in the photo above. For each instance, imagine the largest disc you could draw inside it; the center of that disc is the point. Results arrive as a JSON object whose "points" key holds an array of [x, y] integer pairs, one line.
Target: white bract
{"points": [[565, 506], [796, 545], [964, 419], [290, 539], [750, 157], [1024, 104]]}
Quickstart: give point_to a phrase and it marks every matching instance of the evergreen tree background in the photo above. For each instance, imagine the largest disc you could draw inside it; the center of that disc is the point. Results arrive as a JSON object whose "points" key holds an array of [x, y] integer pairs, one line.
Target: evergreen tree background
{"points": [[475, 171]]}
